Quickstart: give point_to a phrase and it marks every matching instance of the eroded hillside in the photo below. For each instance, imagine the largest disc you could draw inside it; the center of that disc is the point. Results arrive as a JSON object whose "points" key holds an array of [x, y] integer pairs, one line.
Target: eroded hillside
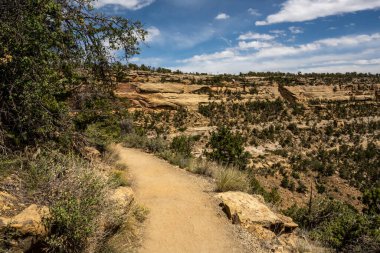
{"points": [[306, 134]]}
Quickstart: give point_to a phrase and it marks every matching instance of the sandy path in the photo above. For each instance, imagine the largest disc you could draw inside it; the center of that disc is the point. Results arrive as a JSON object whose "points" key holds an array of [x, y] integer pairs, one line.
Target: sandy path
{"points": [[183, 217]]}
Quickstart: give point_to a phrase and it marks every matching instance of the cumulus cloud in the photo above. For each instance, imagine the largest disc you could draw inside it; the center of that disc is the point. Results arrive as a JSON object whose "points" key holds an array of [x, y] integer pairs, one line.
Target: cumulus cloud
{"points": [[129, 4], [254, 44], [153, 33], [222, 16], [210, 57], [151, 61], [255, 36], [304, 10], [359, 53]]}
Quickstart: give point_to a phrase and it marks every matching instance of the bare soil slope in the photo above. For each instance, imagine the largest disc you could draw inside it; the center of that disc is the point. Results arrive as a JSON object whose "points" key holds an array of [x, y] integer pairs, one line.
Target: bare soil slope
{"points": [[183, 217]]}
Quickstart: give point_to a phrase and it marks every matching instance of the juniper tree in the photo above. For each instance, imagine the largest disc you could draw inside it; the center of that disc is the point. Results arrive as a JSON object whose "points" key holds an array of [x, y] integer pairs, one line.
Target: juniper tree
{"points": [[50, 51]]}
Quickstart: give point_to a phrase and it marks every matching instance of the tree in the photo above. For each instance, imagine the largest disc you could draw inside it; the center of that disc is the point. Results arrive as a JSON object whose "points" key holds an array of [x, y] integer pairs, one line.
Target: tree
{"points": [[371, 198], [228, 148], [53, 52], [182, 144]]}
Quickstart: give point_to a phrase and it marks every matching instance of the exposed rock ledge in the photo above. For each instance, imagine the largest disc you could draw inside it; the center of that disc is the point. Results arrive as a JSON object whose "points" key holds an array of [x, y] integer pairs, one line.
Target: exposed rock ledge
{"points": [[251, 212]]}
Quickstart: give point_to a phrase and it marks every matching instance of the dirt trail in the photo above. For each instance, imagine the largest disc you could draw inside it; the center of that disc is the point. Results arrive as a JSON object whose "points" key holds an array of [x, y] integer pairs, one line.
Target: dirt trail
{"points": [[183, 217]]}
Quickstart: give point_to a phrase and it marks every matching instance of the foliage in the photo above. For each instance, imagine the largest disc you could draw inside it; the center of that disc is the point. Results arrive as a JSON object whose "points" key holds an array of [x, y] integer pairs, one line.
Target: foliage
{"points": [[272, 197], [228, 148], [180, 118], [155, 145], [371, 198], [339, 225], [118, 178], [54, 50], [288, 183], [75, 191], [182, 144], [178, 159]]}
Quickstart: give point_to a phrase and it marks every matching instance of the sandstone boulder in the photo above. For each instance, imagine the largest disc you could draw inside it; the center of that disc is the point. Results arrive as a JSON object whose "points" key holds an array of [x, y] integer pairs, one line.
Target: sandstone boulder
{"points": [[6, 201], [29, 221], [122, 197], [91, 153], [251, 212]]}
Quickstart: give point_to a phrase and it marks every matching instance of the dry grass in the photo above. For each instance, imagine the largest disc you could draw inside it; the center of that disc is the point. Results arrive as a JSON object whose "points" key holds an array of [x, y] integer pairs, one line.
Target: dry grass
{"points": [[203, 167], [119, 178], [129, 235], [304, 245], [231, 179], [83, 217]]}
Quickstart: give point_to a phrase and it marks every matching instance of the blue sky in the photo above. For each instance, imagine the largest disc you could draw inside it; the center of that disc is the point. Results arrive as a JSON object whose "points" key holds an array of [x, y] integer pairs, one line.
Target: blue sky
{"points": [[232, 36]]}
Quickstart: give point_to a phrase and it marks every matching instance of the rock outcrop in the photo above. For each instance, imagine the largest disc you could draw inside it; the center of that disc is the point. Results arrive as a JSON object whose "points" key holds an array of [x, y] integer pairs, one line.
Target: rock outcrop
{"points": [[91, 153], [122, 198], [6, 201], [251, 212], [29, 221], [324, 93], [26, 227]]}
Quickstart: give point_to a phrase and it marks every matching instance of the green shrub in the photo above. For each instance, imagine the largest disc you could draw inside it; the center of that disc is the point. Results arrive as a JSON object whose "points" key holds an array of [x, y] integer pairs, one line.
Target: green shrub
{"points": [[76, 192], [204, 167], [371, 198], [135, 141], [320, 188], [272, 197], [182, 144], [228, 148], [288, 183], [75, 211], [102, 134], [176, 159], [118, 178], [301, 187], [338, 224], [155, 145]]}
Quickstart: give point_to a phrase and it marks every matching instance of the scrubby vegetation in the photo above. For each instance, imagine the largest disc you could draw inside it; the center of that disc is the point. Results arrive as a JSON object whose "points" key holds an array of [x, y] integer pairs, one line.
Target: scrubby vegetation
{"points": [[321, 141], [339, 225], [228, 148], [56, 99]]}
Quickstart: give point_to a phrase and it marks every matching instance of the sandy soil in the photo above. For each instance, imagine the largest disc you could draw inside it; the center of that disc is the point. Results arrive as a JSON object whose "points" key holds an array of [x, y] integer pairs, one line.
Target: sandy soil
{"points": [[183, 217]]}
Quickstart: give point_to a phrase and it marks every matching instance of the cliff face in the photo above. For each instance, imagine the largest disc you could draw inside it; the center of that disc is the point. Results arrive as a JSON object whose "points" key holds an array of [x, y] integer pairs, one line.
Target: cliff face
{"points": [[307, 93]]}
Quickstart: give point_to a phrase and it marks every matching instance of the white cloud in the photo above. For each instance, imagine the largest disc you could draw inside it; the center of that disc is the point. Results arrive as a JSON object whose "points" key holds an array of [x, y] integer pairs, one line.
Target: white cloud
{"points": [[255, 36], [153, 33], [254, 12], [304, 10], [278, 32], [149, 61], [209, 57], [254, 44], [349, 40], [295, 29], [222, 16], [359, 53], [178, 40], [129, 4]]}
